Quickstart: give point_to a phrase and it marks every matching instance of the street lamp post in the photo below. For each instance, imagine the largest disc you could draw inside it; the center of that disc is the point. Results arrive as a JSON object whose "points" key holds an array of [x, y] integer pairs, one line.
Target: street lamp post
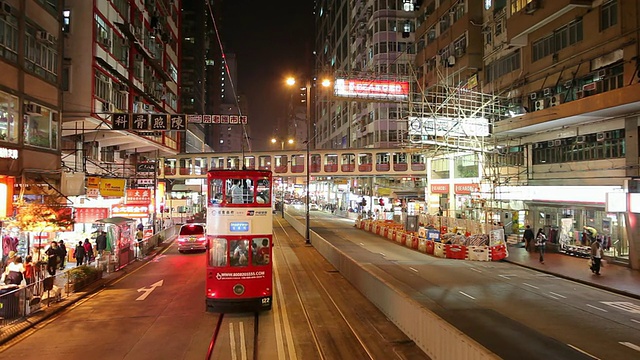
{"points": [[309, 135]]}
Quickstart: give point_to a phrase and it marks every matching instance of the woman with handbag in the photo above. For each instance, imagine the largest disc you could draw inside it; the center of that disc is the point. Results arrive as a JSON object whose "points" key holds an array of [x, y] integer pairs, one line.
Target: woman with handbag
{"points": [[541, 240]]}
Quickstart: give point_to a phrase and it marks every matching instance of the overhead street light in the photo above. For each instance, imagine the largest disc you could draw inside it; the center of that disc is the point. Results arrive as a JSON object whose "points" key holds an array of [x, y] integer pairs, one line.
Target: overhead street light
{"points": [[325, 83]]}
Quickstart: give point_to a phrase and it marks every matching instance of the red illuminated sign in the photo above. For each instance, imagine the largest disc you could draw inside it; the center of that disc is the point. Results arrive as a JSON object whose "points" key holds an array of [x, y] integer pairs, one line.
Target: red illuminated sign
{"points": [[440, 188], [138, 196], [90, 215], [465, 188], [372, 89]]}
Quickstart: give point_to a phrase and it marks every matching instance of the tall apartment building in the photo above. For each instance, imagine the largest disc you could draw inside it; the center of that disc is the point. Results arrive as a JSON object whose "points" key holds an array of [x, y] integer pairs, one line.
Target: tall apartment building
{"points": [[30, 97], [128, 62], [363, 39]]}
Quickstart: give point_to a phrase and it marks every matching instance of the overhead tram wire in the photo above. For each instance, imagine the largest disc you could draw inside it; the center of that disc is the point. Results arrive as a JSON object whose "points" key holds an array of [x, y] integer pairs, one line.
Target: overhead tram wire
{"points": [[233, 88]]}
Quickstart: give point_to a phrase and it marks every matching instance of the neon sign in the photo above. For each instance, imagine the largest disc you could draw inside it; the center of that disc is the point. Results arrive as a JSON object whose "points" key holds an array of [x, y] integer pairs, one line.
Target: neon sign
{"points": [[372, 89], [8, 153]]}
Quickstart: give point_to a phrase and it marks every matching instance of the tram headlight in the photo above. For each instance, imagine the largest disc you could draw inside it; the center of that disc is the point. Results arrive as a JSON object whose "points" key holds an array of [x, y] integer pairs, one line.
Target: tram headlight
{"points": [[238, 289]]}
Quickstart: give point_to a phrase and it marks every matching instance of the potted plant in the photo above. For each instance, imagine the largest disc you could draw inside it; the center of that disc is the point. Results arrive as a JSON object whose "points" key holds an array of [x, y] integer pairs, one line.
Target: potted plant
{"points": [[81, 276]]}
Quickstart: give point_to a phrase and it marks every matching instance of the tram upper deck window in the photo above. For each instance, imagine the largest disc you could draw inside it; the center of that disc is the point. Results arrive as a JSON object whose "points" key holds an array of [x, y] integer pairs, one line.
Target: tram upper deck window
{"points": [[217, 252], [239, 252], [264, 195], [240, 191], [260, 251], [215, 191]]}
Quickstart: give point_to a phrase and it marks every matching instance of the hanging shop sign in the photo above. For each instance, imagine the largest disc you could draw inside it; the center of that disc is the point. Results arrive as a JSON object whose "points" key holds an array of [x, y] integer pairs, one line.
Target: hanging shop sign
{"points": [[130, 211], [372, 89], [90, 215], [450, 127], [6, 153], [138, 197], [145, 183], [440, 188], [146, 168], [465, 188], [112, 187], [217, 119], [149, 122], [93, 182]]}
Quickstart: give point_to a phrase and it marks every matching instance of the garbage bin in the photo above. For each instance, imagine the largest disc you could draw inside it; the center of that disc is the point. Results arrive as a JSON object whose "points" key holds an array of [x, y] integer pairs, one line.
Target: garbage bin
{"points": [[9, 301]]}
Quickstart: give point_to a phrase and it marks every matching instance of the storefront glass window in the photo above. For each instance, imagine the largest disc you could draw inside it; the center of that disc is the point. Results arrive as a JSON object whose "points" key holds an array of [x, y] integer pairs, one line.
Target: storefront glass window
{"points": [[440, 169], [40, 126], [466, 166], [9, 116]]}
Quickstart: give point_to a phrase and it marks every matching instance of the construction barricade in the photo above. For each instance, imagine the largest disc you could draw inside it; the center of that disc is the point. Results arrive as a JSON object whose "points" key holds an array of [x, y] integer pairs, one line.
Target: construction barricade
{"points": [[439, 249], [408, 240], [391, 234], [422, 245], [497, 252], [478, 253], [430, 247], [385, 231], [456, 252], [415, 239]]}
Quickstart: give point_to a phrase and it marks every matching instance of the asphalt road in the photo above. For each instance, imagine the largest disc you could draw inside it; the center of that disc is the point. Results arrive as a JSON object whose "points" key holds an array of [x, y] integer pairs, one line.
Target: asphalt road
{"points": [[515, 312]]}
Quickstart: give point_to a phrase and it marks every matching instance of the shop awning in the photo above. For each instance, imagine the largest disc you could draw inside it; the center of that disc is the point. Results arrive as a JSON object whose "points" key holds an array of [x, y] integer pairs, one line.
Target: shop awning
{"points": [[115, 220]]}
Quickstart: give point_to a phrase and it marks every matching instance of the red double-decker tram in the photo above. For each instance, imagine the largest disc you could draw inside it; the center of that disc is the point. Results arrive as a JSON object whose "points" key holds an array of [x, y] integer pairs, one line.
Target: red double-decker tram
{"points": [[239, 241]]}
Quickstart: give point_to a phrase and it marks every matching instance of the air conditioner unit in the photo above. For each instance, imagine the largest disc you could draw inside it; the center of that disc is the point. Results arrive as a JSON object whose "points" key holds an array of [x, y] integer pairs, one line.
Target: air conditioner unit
{"points": [[600, 136], [550, 143], [547, 91], [148, 107], [557, 142], [32, 109], [602, 74], [556, 100], [531, 7], [537, 146], [533, 96], [539, 105], [5, 9], [580, 139]]}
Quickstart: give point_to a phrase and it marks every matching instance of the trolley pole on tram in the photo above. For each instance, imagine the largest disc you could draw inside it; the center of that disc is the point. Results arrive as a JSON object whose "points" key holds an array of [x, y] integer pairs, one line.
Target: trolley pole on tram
{"points": [[309, 136]]}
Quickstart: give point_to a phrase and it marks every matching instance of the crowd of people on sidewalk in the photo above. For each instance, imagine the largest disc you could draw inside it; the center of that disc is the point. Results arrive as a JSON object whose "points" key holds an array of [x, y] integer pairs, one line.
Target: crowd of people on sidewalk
{"points": [[539, 241]]}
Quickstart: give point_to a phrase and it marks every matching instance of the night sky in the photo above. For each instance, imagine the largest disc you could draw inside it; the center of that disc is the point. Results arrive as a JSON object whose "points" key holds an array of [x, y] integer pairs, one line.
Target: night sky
{"points": [[271, 40]]}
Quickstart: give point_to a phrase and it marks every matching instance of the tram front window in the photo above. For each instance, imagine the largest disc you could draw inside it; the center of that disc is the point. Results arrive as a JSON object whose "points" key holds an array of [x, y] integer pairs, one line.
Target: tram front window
{"points": [[260, 251], [218, 252], [239, 252]]}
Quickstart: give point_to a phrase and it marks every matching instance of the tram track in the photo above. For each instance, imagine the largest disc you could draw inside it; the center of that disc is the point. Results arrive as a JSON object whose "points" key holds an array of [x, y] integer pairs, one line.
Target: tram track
{"points": [[237, 350], [316, 331]]}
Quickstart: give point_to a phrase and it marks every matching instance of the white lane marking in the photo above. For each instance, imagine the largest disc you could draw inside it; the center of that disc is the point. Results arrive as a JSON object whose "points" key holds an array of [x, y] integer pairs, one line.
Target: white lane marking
{"points": [[232, 342], [362, 244], [558, 295], [529, 285], [506, 276], [476, 270], [626, 306], [243, 343], [553, 297], [597, 308], [413, 269], [149, 290], [635, 321], [467, 295], [582, 351], [630, 345], [382, 254]]}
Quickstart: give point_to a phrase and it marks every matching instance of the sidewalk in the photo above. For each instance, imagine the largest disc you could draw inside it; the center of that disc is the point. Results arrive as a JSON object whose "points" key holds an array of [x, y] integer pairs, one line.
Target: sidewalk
{"points": [[10, 331], [615, 278]]}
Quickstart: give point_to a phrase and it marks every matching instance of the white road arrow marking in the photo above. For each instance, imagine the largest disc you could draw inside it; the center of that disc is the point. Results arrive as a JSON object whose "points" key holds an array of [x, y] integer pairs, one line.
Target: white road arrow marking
{"points": [[626, 306], [157, 258], [147, 291]]}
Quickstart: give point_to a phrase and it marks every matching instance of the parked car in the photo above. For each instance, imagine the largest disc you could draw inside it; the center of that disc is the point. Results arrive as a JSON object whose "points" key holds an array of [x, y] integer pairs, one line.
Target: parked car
{"points": [[192, 237], [313, 206]]}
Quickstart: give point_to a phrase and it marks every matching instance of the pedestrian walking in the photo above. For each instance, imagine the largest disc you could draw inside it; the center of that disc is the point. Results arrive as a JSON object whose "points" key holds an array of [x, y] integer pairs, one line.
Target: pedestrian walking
{"points": [[541, 240], [29, 270], [88, 250], [63, 254], [53, 252], [528, 238], [79, 253], [139, 242], [596, 256], [101, 243]]}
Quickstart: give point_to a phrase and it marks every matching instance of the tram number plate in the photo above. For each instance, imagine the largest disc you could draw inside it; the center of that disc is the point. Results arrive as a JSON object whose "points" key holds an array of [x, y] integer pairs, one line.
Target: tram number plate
{"points": [[266, 301]]}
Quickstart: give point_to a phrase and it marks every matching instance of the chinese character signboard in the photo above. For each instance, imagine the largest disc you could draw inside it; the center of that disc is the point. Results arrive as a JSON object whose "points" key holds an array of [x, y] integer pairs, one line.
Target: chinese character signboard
{"points": [[138, 197], [169, 122], [112, 187], [130, 211], [90, 215]]}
